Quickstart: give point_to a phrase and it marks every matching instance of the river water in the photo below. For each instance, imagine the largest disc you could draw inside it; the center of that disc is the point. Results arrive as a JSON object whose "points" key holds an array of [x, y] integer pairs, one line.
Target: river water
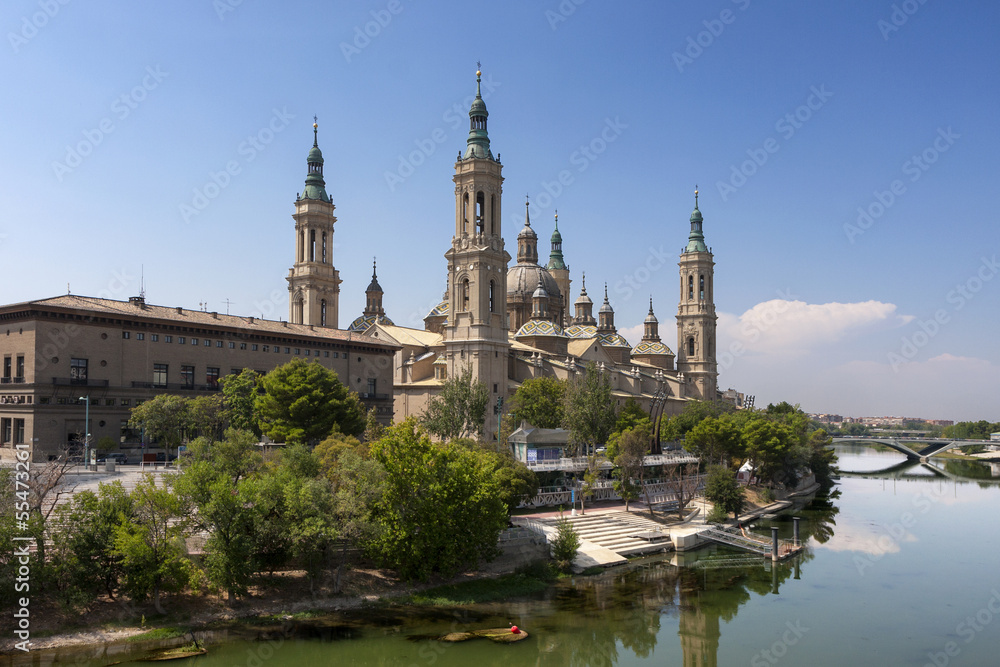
{"points": [[900, 569]]}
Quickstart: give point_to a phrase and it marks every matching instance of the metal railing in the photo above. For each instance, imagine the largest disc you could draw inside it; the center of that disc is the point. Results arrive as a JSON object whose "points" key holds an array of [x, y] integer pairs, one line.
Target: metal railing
{"points": [[78, 382]]}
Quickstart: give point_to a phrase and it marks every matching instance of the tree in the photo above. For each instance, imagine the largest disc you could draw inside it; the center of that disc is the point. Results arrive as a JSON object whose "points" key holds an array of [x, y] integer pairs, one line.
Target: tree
{"points": [[357, 484], [565, 544], [164, 418], [206, 416], [84, 547], [312, 525], [219, 485], [590, 410], [630, 416], [517, 483], [459, 410], [150, 546], [303, 401], [591, 475], [632, 447], [328, 452], [540, 402], [822, 458], [769, 446], [682, 482], [715, 440], [722, 488], [441, 509], [373, 429], [676, 427], [239, 395]]}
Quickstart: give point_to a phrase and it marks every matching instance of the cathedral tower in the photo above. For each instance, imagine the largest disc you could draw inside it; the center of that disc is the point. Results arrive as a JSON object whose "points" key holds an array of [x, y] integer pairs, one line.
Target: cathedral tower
{"points": [[313, 283], [475, 335], [696, 315], [557, 267]]}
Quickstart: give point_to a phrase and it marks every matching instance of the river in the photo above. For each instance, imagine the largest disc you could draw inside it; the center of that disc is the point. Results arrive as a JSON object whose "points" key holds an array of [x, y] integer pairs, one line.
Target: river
{"points": [[898, 570]]}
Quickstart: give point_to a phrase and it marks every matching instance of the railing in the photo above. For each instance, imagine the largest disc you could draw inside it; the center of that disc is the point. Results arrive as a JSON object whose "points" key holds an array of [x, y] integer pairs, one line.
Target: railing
{"points": [[659, 492], [375, 397], [174, 386], [16, 380], [757, 544], [78, 382], [534, 525]]}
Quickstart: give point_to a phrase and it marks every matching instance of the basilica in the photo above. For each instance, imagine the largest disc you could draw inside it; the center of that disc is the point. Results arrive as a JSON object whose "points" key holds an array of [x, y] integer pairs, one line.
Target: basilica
{"points": [[508, 322]]}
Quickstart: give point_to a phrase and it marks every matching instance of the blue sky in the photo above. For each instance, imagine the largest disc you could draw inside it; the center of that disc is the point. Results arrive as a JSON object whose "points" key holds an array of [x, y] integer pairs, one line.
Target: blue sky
{"points": [[121, 120]]}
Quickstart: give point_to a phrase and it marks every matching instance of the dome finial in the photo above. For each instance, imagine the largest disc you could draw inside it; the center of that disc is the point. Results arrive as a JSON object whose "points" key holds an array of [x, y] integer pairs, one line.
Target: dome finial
{"points": [[374, 272], [583, 283], [315, 131], [479, 74], [650, 304], [696, 196], [527, 206]]}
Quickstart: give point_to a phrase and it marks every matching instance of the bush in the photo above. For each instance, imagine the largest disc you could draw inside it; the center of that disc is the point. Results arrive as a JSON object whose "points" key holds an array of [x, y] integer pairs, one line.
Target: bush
{"points": [[717, 515], [565, 544], [767, 494]]}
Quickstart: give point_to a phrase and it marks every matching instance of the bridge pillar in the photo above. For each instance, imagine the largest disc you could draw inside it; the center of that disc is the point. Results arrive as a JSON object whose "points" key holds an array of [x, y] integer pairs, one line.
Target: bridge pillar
{"points": [[795, 531], [774, 544]]}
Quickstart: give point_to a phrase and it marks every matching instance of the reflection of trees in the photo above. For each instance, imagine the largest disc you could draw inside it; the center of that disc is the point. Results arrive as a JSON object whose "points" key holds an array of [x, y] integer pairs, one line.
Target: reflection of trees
{"points": [[819, 517], [973, 469]]}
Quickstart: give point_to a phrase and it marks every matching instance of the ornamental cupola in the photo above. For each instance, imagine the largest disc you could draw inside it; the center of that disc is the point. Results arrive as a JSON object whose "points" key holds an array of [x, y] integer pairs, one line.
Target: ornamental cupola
{"points": [[527, 240], [315, 185], [606, 314]]}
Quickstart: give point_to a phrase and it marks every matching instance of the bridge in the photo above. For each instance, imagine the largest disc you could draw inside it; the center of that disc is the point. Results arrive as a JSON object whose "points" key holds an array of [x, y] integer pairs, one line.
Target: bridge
{"points": [[902, 470], [932, 446]]}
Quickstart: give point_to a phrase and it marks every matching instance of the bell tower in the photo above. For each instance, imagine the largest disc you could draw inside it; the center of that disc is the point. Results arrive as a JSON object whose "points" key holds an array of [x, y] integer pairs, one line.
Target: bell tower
{"points": [[313, 283], [475, 335], [696, 315]]}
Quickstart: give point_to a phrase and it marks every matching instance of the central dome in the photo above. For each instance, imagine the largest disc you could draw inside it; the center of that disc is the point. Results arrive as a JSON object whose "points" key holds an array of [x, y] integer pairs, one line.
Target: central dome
{"points": [[522, 281]]}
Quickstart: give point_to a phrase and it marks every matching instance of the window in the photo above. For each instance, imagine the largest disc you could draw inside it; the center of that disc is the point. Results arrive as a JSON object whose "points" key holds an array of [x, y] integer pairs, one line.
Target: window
{"points": [[691, 346], [181, 340], [18, 431], [326, 353], [78, 371], [278, 349], [322, 313], [234, 371], [7, 367], [44, 400], [701, 287], [109, 402], [126, 402], [493, 305], [324, 247], [265, 349], [154, 337], [465, 294], [140, 336], [19, 367], [243, 346], [371, 386], [126, 335], [168, 339], [296, 350], [187, 376], [336, 355], [208, 343], [253, 347], [232, 345], [159, 375], [312, 245], [194, 341], [289, 350], [690, 288], [6, 430], [212, 377]]}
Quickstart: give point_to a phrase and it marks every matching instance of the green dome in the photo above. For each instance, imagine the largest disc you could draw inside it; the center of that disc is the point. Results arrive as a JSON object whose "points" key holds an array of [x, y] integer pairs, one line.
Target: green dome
{"points": [[696, 239]]}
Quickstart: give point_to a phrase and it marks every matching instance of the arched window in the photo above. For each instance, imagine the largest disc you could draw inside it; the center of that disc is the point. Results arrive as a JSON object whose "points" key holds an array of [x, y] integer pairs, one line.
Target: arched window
{"points": [[465, 294], [322, 313], [493, 214], [690, 288], [324, 247], [493, 305], [480, 212], [701, 287], [690, 346], [312, 245], [299, 310], [465, 213]]}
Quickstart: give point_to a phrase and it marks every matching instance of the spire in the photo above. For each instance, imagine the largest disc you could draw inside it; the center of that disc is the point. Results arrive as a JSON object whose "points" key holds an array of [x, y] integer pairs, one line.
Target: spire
{"points": [[651, 326], [538, 301], [606, 306], [315, 185], [556, 261], [373, 286], [527, 239], [479, 140], [696, 239], [606, 314]]}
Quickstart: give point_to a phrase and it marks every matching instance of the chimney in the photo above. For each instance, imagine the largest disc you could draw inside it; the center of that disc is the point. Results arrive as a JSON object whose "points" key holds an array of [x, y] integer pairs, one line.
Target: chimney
{"points": [[180, 311]]}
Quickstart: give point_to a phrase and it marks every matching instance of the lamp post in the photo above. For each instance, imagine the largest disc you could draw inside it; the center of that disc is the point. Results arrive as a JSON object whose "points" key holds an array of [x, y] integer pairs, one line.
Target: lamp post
{"points": [[86, 432]]}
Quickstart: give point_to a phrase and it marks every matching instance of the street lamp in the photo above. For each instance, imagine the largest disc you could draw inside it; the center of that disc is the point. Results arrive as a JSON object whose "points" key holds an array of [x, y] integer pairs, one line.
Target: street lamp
{"points": [[86, 433]]}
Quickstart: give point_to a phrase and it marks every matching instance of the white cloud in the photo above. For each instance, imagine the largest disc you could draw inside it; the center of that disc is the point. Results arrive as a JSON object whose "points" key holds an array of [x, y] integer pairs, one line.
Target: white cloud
{"points": [[634, 334], [794, 327]]}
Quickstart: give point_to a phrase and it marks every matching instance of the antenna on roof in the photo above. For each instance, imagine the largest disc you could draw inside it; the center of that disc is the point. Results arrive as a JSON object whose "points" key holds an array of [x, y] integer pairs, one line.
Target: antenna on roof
{"points": [[67, 289], [142, 281], [228, 302]]}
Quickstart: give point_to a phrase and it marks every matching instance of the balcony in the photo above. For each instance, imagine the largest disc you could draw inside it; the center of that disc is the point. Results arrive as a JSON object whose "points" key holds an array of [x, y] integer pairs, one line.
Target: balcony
{"points": [[78, 382], [374, 397], [174, 386], [18, 380]]}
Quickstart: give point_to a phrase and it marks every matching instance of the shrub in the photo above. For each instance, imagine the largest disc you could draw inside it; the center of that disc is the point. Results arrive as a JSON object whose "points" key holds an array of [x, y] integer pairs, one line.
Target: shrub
{"points": [[565, 544], [717, 515]]}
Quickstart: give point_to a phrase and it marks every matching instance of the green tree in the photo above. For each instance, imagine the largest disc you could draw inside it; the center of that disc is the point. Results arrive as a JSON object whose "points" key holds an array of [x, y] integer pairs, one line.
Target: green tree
{"points": [[676, 428], [83, 546], [239, 394], [358, 484], [590, 410], [441, 509], [565, 544], [328, 452], [515, 481], [303, 401], [206, 416], [164, 418], [716, 440], [373, 429], [220, 485], [312, 525], [770, 448], [630, 416], [591, 476], [822, 458], [151, 545], [722, 489], [540, 402], [633, 445], [459, 409]]}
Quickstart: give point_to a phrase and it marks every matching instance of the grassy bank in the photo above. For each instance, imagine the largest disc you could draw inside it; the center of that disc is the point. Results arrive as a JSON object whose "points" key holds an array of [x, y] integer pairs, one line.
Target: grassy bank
{"points": [[527, 581]]}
